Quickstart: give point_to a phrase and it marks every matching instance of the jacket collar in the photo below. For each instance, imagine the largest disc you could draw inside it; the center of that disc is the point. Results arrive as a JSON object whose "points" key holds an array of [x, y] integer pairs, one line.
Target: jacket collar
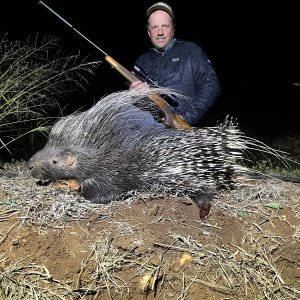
{"points": [[167, 48]]}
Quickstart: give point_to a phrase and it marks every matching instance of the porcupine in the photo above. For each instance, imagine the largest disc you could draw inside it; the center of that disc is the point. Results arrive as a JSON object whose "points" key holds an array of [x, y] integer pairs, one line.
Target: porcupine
{"points": [[109, 154]]}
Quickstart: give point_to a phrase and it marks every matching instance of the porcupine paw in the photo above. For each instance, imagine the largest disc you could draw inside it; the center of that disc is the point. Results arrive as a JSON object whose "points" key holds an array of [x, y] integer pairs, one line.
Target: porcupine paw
{"points": [[203, 200], [92, 193]]}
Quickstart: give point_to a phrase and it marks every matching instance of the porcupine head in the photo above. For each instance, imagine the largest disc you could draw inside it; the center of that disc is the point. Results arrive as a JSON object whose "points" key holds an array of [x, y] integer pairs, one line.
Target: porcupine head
{"points": [[53, 164]]}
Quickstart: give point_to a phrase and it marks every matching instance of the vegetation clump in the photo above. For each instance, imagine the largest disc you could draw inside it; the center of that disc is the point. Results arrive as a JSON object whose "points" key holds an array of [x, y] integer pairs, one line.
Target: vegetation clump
{"points": [[34, 75]]}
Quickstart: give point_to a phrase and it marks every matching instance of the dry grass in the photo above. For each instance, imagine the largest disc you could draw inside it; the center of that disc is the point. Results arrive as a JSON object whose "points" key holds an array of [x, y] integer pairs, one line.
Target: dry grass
{"points": [[34, 76]]}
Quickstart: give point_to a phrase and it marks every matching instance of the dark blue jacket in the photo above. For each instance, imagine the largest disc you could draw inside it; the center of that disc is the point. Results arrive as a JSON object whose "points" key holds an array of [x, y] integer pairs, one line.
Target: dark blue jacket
{"points": [[184, 67]]}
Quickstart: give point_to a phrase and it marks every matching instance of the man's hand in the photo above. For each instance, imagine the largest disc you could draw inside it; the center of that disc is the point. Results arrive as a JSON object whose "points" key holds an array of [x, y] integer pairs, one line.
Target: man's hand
{"points": [[138, 84]]}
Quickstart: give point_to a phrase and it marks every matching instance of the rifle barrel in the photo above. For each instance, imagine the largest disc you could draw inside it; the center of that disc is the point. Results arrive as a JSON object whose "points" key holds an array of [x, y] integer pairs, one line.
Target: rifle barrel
{"points": [[72, 27]]}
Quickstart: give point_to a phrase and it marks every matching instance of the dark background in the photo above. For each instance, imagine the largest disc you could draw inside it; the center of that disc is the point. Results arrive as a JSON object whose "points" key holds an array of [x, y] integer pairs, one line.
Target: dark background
{"points": [[253, 47]]}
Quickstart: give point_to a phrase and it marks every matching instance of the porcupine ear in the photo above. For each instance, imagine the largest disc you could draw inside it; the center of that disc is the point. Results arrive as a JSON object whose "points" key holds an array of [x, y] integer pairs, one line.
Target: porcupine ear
{"points": [[69, 158]]}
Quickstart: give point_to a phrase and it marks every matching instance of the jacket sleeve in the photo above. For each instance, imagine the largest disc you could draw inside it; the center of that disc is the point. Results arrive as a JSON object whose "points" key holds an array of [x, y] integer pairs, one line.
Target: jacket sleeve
{"points": [[206, 86]]}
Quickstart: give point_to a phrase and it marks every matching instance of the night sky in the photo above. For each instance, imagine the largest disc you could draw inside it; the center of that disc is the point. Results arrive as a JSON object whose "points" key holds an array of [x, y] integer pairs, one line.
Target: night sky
{"points": [[253, 47]]}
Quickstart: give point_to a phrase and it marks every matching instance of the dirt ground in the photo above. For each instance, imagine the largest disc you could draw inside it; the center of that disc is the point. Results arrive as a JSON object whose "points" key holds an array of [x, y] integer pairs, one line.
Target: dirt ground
{"points": [[56, 245]]}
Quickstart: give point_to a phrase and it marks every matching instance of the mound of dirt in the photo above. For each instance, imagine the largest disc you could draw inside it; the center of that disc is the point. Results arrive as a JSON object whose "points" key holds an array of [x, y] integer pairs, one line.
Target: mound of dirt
{"points": [[56, 245]]}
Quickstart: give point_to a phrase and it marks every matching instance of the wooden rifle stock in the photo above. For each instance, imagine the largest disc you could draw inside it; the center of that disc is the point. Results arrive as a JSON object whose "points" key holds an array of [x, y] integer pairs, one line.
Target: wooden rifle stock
{"points": [[171, 118]]}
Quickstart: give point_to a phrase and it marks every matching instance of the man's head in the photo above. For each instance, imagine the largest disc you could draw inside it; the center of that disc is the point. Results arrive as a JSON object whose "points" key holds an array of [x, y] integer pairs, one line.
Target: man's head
{"points": [[160, 25]]}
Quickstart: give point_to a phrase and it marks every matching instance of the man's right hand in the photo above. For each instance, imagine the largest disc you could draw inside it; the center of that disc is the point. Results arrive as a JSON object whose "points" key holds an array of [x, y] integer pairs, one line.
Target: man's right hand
{"points": [[138, 84]]}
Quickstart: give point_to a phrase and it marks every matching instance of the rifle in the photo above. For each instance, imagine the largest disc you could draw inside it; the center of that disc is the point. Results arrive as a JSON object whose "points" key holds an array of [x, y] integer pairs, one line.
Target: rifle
{"points": [[170, 117]]}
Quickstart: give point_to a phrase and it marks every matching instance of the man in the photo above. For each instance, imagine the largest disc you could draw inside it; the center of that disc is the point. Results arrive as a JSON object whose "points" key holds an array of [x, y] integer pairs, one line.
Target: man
{"points": [[179, 65]]}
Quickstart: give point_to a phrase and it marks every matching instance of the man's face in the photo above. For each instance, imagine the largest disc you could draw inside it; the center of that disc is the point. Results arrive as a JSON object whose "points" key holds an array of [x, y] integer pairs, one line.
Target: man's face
{"points": [[160, 29]]}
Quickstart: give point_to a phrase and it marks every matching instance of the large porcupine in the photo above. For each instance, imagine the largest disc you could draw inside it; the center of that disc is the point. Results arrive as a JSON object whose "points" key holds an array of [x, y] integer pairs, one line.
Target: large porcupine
{"points": [[110, 151]]}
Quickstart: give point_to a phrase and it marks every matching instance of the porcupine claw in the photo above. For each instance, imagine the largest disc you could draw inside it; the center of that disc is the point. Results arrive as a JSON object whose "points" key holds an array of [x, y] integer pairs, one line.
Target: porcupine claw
{"points": [[203, 199], [204, 209]]}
